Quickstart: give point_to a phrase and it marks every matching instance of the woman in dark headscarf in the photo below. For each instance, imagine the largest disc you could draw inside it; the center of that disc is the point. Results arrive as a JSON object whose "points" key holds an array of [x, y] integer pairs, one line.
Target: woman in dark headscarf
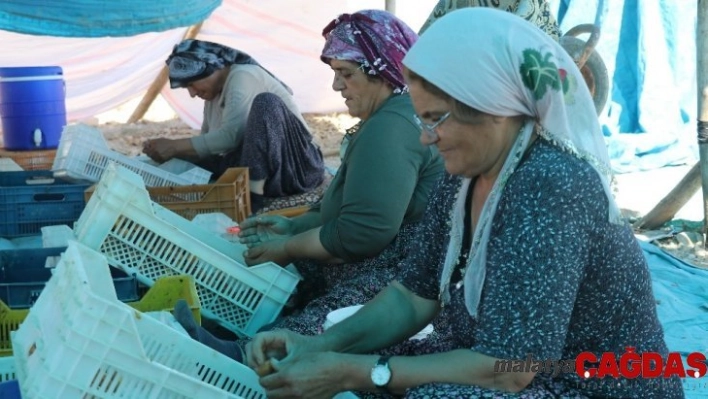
{"points": [[349, 246], [250, 120]]}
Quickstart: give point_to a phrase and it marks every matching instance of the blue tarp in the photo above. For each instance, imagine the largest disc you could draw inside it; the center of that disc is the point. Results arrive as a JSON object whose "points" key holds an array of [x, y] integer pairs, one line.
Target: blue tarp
{"points": [[650, 53], [100, 18], [681, 292]]}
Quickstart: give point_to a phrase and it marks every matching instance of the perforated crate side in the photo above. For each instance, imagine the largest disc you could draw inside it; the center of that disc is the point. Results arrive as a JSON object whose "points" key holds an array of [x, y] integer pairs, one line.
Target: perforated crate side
{"points": [[148, 240], [25, 208], [83, 153], [7, 368], [239, 298], [10, 320], [228, 195]]}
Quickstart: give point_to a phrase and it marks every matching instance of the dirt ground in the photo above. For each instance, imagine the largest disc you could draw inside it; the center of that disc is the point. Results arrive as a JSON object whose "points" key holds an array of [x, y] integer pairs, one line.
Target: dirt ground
{"points": [[327, 129]]}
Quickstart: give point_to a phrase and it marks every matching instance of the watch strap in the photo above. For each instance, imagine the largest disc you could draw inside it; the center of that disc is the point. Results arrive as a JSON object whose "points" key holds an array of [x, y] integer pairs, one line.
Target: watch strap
{"points": [[383, 360]]}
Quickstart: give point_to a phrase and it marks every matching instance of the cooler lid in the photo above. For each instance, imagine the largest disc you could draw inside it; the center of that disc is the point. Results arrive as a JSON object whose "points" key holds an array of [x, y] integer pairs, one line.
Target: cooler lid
{"points": [[15, 72]]}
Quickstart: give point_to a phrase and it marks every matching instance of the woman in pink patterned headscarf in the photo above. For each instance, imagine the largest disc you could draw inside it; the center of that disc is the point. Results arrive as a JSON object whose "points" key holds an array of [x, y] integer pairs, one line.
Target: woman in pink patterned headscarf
{"points": [[352, 241], [351, 245], [374, 39]]}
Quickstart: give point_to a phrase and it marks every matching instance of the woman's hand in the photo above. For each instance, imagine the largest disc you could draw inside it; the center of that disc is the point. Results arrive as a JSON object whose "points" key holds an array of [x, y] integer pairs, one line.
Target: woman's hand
{"points": [[278, 344], [306, 375], [300, 368], [160, 150], [270, 251], [261, 229]]}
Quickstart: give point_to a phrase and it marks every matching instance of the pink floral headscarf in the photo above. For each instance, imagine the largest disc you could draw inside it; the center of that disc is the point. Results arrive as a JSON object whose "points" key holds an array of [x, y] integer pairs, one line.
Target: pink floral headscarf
{"points": [[374, 39]]}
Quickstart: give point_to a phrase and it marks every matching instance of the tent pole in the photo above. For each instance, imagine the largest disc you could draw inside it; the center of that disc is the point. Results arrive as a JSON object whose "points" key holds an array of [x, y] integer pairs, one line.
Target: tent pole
{"points": [[702, 85], [159, 82], [698, 175], [391, 6]]}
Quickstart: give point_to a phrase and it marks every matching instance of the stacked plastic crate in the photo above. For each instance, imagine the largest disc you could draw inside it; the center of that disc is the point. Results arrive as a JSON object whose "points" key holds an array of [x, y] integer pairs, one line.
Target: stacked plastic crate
{"points": [[29, 201], [84, 154], [32, 200], [79, 340], [147, 240]]}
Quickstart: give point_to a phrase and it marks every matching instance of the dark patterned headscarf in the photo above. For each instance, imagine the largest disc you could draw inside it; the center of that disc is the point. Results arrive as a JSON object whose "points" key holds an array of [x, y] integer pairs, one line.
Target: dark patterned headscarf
{"points": [[374, 39], [192, 60]]}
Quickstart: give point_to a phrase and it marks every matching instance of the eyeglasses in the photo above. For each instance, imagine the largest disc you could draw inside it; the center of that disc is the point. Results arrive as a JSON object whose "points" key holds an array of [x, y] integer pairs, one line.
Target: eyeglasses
{"points": [[429, 129]]}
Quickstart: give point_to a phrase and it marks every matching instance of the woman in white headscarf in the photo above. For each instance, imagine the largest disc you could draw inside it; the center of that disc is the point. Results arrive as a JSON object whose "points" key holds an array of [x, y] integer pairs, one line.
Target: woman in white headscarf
{"points": [[524, 261]]}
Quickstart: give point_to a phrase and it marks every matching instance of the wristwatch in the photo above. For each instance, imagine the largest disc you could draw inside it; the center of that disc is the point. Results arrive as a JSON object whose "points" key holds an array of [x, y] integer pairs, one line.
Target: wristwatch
{"points": [[381, 374]]}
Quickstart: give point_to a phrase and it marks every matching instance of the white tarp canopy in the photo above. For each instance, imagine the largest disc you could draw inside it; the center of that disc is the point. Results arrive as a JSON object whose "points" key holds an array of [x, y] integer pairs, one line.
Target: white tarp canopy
{"points": [[283, 35]]}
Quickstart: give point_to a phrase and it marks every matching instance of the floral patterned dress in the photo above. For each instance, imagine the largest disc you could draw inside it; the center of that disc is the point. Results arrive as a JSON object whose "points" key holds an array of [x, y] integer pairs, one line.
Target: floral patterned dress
{"points": [[561, 280]]}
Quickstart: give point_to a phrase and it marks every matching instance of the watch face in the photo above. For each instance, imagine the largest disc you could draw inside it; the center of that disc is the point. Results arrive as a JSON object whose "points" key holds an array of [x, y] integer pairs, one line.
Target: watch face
{"points": [[380, 375]]}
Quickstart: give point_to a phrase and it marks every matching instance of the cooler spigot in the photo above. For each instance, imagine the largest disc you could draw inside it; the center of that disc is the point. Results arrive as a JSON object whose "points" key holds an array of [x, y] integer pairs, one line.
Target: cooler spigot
{"points": [[37, 137]]}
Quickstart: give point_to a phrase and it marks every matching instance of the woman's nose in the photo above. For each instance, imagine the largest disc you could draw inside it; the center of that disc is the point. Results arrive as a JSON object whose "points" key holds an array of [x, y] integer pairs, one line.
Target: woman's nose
{"points": [[337, 83], [428, 139], [192, 92]]}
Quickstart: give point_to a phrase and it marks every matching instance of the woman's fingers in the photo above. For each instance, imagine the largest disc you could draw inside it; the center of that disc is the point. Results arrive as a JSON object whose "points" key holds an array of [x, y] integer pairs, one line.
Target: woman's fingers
{"points": [[250, 240], [253, 254]]}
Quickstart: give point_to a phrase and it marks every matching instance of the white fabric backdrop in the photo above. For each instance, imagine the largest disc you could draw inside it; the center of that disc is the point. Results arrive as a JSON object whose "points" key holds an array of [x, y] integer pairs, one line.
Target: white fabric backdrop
{"points": [[283, 35]]}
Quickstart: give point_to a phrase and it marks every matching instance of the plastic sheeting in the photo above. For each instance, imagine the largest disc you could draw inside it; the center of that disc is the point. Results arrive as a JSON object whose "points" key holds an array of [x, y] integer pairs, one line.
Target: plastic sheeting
{"points": [[650, 53], [283, 35], [99, 18], [102, 73], [681, 291]]}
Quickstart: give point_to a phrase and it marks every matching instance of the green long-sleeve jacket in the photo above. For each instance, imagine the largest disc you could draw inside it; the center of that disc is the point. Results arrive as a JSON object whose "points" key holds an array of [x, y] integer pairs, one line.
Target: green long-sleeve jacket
{"points": [[383, 181]]}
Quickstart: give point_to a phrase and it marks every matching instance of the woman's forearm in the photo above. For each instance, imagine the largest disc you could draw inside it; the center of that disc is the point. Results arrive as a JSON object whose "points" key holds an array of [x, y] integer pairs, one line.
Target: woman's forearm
{"points": [[461, 366], [307, 245], [306, 221], [184, 149], [376, 326]]}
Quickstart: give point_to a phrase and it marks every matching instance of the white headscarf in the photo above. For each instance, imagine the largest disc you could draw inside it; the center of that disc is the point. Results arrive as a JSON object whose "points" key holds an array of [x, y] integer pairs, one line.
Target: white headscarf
{"points": [[500, 64]]}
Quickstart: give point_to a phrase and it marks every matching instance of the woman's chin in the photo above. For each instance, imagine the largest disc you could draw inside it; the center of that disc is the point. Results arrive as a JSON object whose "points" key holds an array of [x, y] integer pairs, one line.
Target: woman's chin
{"points": [[353, 113], [455, 169]]}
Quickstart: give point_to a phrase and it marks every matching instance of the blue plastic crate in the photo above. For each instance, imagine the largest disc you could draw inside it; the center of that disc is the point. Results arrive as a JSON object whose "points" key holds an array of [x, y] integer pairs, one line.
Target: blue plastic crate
{"points": [[10, 390], [30, 200], [23, 275]]}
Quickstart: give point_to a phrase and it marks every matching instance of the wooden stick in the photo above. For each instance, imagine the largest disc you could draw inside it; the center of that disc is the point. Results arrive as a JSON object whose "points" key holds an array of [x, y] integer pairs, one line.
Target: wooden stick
{"points": [[391, 6], [673, 202], [330, 152], [159, 82], [290, 212]]}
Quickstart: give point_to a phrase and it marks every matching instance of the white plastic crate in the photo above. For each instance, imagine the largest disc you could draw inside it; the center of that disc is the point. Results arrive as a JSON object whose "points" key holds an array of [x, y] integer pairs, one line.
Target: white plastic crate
{"points": [[147, 240], [80, 341], [56, 236], [8, 165], [84, 154], [7, 368]]}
